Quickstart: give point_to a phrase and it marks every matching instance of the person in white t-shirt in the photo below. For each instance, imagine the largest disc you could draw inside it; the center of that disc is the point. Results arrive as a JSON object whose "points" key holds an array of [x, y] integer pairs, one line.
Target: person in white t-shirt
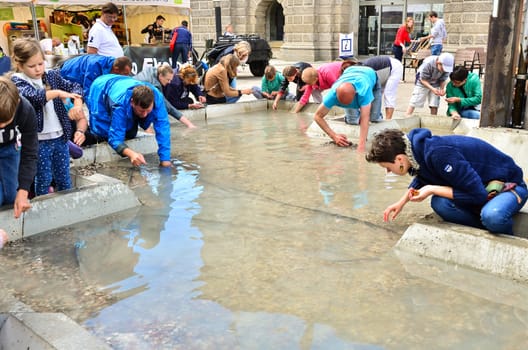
{"points": [[101, 38]]}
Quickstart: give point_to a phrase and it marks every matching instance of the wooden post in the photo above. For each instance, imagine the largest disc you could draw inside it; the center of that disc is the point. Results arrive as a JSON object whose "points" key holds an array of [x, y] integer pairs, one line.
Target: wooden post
{"points": [[503, 44]]}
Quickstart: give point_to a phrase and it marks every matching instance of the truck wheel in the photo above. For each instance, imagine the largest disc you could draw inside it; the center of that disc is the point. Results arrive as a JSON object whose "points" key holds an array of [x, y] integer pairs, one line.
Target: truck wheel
{"points": [[257, 68]]}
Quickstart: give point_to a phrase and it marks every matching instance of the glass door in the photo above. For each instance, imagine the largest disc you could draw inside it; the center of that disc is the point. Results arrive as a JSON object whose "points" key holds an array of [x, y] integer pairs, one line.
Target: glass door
{"points": [[391, 20], [368, 43]]}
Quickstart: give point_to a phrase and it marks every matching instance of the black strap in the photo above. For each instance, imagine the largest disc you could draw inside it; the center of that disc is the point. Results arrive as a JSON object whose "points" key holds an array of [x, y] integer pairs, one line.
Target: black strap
{"points": [[463, 91]]}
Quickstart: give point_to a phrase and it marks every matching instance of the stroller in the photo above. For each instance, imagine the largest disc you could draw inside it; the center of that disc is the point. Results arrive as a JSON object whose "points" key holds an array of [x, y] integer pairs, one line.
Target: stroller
{"points": [[199, 64]]}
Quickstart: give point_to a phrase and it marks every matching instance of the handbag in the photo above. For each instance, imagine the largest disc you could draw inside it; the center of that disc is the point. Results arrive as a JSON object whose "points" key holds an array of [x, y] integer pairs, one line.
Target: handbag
{"points": [[494, 187], [173, 39]]}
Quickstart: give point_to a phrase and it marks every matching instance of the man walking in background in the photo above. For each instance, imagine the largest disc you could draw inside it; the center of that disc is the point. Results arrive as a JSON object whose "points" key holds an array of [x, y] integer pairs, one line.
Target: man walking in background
{"points": [[182, 40], [438, 34]]}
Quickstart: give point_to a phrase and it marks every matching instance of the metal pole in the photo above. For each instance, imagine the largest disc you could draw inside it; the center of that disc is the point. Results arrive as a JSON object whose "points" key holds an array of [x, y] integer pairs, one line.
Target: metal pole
{"points": [[218, 19], [126, 25], [36, 28]]}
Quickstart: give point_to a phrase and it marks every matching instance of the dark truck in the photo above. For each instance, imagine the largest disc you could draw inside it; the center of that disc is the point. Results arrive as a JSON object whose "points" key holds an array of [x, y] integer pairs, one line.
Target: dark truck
{"points": [[257, 60]]}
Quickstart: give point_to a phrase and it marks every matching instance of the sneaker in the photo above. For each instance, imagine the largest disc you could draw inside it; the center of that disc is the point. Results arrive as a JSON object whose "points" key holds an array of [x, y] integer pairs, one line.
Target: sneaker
{"points": [[75, 151]]}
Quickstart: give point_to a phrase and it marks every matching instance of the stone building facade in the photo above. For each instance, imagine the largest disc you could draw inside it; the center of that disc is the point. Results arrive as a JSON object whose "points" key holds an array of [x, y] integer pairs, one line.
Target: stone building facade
{"points": [[309, 29]]}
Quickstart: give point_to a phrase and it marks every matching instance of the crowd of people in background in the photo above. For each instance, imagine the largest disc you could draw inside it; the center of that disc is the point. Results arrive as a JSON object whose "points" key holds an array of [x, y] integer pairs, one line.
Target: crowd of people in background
{"points": [[42, 108]]}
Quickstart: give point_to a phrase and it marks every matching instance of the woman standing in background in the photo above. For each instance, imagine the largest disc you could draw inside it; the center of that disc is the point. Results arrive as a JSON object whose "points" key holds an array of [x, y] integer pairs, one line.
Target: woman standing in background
{"points": [[403, 36]]}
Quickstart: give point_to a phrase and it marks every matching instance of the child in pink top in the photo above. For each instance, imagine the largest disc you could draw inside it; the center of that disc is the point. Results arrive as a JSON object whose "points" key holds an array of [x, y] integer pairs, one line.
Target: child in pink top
{"points": [[317, 81]]}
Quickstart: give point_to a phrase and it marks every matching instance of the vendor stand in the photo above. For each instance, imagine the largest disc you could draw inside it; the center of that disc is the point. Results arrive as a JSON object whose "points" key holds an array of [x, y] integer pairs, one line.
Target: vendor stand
{"points": [[136, 14]]}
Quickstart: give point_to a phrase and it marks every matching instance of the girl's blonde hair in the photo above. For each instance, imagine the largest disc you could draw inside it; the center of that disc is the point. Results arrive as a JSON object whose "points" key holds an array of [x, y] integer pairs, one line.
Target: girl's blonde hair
{"points": [[24, 49], [231, 63], [242, 48], [189, 75]]}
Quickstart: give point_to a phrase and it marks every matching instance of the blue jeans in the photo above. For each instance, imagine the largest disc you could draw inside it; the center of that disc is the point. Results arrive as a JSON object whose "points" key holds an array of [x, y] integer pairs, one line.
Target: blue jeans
{"points": [[469, 113], [9, 161], [53, 164], [352, 114], [495, 216], [233, 99], [436, 49]]}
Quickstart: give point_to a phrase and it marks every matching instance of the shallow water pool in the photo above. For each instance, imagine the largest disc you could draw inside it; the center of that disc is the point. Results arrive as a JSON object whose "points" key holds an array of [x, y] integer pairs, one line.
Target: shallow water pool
{"points": [[261, 238]]}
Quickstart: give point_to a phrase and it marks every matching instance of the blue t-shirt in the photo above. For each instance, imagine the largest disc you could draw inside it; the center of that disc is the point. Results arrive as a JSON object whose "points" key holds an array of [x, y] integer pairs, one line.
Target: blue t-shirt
{"points": [[362, 78]]}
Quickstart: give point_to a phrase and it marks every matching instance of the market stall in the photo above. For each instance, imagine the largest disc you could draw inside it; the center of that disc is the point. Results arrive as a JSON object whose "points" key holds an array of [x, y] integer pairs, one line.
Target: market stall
{"points": [[42, 16]]}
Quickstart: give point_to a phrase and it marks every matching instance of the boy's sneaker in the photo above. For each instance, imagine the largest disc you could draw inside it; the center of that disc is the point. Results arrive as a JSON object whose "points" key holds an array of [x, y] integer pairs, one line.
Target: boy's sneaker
{"points": [[75, 151]]}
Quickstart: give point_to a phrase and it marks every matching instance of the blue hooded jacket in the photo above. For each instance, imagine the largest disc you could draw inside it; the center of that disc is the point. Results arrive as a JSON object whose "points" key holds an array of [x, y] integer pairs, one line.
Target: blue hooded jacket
{"points": [[111, 113], [466, 164], [84, 69]]}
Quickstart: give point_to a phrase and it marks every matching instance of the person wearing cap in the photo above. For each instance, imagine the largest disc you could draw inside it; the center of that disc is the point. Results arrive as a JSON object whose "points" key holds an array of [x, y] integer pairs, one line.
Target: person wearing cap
{"points": [[154, 30], [463, 94], [182, 45], [430, 83]]}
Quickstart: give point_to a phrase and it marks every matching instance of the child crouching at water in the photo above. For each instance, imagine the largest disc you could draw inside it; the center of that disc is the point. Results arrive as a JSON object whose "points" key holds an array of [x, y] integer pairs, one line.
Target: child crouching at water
{"points": [[18, 148], [46, 90]]}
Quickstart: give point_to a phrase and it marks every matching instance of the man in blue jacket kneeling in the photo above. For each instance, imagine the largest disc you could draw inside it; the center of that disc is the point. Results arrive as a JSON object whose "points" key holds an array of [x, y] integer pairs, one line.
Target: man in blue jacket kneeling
{"points": [[118, 105]]}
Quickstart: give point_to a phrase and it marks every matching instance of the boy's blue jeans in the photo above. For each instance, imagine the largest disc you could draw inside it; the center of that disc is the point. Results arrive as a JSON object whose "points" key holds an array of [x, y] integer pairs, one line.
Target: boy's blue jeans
{"points": [[9, 161], [495, 216], [469, 113]]}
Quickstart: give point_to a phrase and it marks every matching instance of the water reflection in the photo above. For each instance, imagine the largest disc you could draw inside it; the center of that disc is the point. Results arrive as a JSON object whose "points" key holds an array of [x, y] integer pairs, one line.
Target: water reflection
{"points": [[260, 238]]}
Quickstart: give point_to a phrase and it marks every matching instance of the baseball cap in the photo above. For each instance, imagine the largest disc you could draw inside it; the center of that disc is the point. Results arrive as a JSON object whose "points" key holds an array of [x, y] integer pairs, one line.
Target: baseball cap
{"points": [[447, 61]]}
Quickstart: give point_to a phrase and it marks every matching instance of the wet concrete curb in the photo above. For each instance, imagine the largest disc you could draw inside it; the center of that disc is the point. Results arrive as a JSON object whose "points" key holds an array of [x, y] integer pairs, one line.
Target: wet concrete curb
{"points": [[505, 256], [44, 331], [98, 196]]}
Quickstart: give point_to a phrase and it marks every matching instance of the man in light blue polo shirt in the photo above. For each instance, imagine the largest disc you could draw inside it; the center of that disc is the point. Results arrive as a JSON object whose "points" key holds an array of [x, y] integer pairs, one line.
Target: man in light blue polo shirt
{"points": [[357, 88]]}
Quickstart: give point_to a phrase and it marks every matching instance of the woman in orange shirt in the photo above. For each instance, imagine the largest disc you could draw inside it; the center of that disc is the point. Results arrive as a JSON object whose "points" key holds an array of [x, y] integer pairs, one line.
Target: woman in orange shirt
{"points": [[403, 36]]}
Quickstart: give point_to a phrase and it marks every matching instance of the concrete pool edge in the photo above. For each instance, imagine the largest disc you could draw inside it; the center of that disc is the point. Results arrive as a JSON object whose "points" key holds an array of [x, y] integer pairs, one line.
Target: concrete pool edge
{"points": [[500, 255]]}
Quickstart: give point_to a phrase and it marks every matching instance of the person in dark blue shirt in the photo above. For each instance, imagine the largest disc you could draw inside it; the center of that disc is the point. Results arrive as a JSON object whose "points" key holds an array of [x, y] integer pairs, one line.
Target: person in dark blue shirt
{"points": [[470, 182], [183, 44]]}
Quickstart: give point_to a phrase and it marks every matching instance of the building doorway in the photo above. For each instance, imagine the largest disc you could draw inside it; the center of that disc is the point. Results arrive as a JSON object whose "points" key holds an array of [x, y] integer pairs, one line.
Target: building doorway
{"points": [[378, 25], [379, 21], [276, 22]]}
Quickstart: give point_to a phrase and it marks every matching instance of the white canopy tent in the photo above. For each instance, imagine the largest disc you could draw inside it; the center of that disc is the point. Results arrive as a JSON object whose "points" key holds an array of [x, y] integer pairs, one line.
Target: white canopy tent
{"points": [[135, 6]]}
